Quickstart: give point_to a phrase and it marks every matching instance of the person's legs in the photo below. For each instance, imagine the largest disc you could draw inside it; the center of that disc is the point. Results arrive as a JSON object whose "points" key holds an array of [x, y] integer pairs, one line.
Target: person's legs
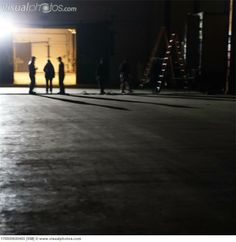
{"points": [[122, 83], [61, 84], [101, 84], [122, 86], [50, 85], [47, 84], [32, 84], [128, 84]]}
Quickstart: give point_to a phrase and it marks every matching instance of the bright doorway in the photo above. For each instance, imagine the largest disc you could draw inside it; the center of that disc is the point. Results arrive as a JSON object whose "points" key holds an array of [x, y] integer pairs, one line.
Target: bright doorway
{"points": [[45, 44]]}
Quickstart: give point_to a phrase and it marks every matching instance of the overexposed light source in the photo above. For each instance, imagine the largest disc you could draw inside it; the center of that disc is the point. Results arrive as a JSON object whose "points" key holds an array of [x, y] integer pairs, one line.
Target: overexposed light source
{"points": [[6, 27], [73, 31]]}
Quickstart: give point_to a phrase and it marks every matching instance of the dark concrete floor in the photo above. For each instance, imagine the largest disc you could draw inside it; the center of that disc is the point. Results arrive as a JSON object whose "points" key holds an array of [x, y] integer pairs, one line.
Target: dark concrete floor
{"points": [[113, 164]]}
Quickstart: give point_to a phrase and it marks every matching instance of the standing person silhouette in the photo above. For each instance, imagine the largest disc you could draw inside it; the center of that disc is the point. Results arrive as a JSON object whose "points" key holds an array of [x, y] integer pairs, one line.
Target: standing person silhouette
{"points": [[49, 75], [101, 75], [61, 76], [125, 76], [32, 73]]}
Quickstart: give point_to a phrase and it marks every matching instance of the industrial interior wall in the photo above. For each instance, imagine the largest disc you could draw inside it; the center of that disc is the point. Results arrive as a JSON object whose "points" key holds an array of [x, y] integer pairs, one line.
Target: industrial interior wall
{"points": [[214, 40], [214, 52], [6, 61], [129, 30]]}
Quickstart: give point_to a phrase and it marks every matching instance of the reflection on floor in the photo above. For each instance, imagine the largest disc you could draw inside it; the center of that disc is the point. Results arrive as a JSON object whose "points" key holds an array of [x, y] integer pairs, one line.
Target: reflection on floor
{"points": [[72, 165], [22, 78]]}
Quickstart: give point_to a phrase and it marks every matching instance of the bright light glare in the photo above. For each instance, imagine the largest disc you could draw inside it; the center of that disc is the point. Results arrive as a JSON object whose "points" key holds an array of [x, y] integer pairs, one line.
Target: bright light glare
{"points": [[6, 27]]}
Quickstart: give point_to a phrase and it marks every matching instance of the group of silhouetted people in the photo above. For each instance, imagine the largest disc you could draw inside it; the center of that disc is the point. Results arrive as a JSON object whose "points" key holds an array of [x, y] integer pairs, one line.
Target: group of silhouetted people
{"points": [[124, 73], [49, 75], [101, 75]]}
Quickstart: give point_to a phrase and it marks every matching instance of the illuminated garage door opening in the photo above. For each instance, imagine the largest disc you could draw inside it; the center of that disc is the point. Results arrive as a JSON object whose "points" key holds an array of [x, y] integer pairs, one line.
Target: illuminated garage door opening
{"points": [[44, 44]]}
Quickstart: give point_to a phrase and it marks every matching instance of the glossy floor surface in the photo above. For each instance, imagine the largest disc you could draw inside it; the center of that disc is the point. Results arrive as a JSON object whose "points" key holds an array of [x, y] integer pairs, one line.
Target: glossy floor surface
{"points": [[116, 164]]}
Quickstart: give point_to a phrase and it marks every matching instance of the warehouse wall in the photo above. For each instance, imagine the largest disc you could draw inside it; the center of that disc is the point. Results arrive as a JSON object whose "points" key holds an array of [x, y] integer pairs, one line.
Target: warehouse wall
{"points": [[129, 30]]}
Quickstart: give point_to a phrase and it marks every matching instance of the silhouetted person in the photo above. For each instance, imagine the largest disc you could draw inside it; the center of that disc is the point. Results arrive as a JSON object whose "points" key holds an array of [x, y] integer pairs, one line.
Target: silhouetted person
{"points": [[101, 75], [32, 73], [61, 76], [124, 76], [49, 75], [154, 73]]}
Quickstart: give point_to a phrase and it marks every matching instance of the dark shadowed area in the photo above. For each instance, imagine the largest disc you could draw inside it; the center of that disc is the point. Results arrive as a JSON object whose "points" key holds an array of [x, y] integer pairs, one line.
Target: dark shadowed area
{"points": [[138, 164]]}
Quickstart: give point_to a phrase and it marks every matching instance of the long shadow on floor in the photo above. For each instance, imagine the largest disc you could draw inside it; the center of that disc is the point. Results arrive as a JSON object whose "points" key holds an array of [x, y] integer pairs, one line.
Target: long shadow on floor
{"points": [[82, 103], [132, 101], [14, 94]]}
